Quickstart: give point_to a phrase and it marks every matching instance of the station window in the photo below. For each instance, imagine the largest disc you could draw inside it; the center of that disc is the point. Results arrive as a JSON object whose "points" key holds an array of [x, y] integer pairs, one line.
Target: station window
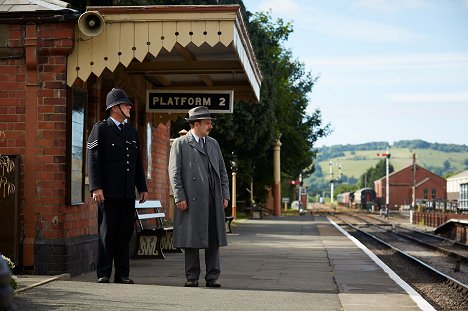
{"points": [[75, 145], [434, 193], [463, 202], [426, 194]]}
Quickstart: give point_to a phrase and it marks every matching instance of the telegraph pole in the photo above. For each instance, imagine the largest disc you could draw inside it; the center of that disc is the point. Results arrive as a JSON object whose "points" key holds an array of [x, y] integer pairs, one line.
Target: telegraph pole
{"points": [[387, 189], [414, 180], [332, 181]]}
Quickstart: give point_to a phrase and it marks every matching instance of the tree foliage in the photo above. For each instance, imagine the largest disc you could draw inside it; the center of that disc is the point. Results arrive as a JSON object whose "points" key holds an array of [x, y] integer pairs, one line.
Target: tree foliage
{"points": [[372, 174]]}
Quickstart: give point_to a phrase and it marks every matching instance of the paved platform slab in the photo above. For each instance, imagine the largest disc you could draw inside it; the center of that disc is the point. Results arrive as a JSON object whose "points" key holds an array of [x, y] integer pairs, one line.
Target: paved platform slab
{"points": [[274, 263]]}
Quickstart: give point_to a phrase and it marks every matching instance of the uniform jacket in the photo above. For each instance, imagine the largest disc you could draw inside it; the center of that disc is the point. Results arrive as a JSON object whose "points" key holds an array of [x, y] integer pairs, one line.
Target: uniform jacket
{"points": [[189, 181], [114, 161]]}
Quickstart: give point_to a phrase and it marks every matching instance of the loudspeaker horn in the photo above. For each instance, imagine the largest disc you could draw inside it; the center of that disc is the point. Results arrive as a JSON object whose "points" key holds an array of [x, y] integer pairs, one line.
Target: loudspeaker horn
{"points": [[91, 23]]}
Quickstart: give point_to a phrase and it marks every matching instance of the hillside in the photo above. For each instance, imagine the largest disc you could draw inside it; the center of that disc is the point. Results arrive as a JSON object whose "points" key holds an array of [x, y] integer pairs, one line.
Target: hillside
{"points": [[442, 159]]}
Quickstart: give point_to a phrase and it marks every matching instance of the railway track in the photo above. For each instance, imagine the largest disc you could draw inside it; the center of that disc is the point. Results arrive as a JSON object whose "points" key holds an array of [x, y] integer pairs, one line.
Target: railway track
{"points": [[453, 249], [446, 276]]}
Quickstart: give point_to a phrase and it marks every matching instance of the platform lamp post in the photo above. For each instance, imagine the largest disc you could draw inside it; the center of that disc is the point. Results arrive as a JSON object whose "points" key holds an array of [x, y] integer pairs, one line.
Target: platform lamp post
{"points": [[233, 161]]}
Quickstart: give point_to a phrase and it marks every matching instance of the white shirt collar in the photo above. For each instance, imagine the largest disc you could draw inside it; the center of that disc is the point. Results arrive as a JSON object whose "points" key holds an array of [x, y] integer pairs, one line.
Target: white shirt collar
{"points": [[117, 123], [196, 137]]}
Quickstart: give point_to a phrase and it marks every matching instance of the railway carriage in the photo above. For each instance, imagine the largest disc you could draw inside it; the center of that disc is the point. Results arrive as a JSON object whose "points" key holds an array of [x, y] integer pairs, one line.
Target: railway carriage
{"points": [[364, 198]]}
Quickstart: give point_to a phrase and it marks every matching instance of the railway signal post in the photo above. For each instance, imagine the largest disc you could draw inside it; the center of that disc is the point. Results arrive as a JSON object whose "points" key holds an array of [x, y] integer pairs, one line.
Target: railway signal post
{"points": [[332, 181], [387, 181]]}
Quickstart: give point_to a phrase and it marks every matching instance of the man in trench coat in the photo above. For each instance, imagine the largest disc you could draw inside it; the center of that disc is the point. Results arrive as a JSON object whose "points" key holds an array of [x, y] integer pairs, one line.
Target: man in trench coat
{"points": [[201, 193]]}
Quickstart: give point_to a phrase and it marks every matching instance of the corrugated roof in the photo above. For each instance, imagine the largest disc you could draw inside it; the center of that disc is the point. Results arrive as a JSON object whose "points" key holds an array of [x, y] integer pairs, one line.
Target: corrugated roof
{"points": [[10, 6], [459, 175]]}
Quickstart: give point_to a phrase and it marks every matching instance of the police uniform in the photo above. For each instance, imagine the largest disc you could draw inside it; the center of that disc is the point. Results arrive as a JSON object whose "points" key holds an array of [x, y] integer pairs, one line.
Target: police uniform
{"points": [[115, 166]]}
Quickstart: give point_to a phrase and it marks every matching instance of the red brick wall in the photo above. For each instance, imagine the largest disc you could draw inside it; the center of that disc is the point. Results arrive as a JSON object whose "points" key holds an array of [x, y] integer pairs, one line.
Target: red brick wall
{"points": [[50, 217], [54, 42], [401, 186], [158, 185]]}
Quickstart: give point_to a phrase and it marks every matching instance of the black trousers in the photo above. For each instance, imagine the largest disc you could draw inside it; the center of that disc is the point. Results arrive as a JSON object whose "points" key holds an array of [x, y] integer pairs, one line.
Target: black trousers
{"points": [[115, 227], [192, 255]]}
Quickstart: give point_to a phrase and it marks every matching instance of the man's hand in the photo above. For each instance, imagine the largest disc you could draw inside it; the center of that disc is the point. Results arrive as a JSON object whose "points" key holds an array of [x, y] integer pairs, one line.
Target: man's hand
{"points": [[182, 205], [143, 196], [98, 195], [226, 203]]}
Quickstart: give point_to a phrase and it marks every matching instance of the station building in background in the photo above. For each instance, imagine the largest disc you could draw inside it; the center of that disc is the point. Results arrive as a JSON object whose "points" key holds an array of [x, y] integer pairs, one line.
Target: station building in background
{"points": [[426, 185], [55, 72]]}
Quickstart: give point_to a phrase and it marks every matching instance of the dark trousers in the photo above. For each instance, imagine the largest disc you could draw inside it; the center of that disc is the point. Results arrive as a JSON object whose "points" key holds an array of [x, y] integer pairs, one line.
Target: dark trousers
{"points": [[192, 263], [192, 255], [115, 227]]}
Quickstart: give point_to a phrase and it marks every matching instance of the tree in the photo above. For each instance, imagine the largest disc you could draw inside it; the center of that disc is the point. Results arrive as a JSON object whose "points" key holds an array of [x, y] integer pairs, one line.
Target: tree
{"points": [[446, 165], [372, 174]]}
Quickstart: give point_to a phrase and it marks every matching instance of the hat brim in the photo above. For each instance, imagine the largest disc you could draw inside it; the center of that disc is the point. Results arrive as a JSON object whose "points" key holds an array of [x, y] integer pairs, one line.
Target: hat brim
{"points": [[198, 119]]}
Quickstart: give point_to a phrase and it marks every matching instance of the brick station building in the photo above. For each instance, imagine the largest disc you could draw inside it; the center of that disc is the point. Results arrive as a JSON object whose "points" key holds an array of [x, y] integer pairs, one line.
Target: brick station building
{"points": [[53, 82], [427, 186]]}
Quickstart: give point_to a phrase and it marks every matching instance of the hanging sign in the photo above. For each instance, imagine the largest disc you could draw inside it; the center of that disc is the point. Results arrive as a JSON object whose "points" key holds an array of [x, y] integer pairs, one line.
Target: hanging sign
{"points": [[181, 101]]}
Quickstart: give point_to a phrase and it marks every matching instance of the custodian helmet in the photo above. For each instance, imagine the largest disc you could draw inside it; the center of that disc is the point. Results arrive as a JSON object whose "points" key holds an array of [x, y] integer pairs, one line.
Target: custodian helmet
{"points": [[116, 97]]}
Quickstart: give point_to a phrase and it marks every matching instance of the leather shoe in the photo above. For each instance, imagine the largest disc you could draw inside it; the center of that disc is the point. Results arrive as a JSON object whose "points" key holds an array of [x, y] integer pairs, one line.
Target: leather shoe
{"points": [[191, 283], [212, 283], [103, 279], [124, 281]]}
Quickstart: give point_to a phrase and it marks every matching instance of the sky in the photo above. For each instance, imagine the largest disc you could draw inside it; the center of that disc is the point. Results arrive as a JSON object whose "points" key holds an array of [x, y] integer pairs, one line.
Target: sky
{"points": [[388, 70]]}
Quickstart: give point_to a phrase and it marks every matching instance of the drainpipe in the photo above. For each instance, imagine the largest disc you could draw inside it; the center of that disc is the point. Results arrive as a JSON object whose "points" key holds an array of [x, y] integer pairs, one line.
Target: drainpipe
{"points": [[30, 43]]}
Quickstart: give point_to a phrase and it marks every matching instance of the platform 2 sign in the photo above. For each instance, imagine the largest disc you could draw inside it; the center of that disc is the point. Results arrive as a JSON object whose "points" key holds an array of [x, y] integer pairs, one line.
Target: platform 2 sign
{"points": [[181, 101]]}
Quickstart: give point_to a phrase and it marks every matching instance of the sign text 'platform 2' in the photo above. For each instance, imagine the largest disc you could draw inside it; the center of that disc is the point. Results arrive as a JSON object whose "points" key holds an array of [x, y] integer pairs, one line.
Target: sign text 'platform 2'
{"points": [[180, 101]]}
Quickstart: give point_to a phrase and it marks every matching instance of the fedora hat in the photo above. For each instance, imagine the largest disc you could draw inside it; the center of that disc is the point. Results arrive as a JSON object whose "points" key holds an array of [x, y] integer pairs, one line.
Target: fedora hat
{"points": [[117, 97], [199, 113]]}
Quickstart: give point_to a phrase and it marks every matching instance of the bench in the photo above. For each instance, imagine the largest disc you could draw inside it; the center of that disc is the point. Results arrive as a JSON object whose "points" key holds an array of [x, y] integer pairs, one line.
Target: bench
{"points": [[153, 238], [228, 220]]}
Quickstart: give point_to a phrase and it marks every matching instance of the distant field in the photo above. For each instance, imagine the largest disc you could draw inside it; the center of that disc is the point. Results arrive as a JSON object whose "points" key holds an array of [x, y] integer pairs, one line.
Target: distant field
{"points": [[357, 162]]}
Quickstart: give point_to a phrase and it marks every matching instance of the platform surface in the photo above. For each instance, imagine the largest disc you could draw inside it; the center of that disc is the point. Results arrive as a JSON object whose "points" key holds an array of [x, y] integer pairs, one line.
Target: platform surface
{"points": [[274, 263]]}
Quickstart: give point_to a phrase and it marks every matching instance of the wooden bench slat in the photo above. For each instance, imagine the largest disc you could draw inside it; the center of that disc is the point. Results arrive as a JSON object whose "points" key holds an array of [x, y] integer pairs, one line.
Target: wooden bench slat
{"points": [[148, 204], [152, 215]]}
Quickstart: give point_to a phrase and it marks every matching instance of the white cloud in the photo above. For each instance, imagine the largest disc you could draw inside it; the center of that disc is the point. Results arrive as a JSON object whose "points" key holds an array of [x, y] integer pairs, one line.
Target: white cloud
{"points": [[359, 30], [393, 61], [431, 97], [391, 6], [285, 9], [341, 26]]}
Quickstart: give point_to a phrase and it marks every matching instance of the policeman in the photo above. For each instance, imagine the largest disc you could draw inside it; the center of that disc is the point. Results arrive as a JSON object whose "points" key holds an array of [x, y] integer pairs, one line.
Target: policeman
{"points": [[115, 169]]}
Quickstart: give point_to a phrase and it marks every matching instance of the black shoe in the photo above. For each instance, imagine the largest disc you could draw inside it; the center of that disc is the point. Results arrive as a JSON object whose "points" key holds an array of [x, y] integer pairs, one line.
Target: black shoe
{"points": [[103, 279], [124, 280], [191, 283], [212, 283]]}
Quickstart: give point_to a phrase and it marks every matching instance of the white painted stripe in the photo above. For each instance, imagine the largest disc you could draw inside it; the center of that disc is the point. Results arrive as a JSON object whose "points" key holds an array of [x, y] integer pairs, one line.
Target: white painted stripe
{"points": [[420, 301]]}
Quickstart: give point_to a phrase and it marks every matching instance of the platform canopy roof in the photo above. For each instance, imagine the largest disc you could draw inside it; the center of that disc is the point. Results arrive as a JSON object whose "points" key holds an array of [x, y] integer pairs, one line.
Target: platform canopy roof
{"points": [[177, 47]]}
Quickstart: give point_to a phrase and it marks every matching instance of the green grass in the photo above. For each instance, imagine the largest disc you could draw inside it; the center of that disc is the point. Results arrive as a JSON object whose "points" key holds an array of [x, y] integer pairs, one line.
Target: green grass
{"points": [[356, 164]]}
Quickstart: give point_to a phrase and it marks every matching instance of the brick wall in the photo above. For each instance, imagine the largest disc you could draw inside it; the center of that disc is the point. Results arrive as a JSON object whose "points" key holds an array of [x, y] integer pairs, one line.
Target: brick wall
{"points": [[58, 237]]}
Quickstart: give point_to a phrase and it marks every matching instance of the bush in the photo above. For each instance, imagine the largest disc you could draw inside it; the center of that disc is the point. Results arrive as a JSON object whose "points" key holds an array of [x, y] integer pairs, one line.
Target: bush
{"points": [[11, 265]]}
